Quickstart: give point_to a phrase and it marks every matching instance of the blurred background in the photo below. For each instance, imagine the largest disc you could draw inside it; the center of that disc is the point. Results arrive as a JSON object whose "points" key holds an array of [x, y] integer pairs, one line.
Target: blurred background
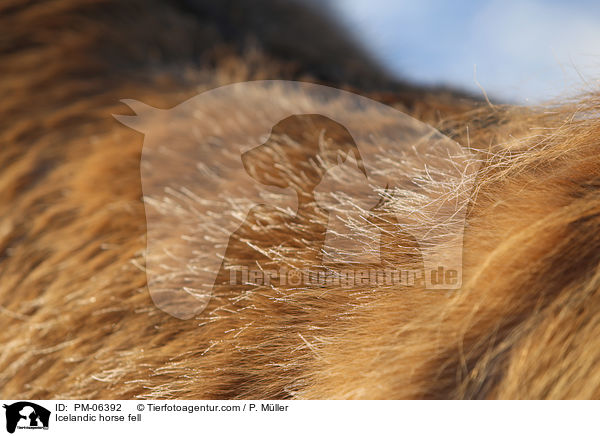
{"points": [[523, 52]]}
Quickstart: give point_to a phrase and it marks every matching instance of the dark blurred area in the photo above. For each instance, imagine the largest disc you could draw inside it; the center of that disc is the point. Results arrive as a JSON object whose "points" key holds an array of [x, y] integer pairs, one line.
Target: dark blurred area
{"points": [[99, 40], [126, 36]]}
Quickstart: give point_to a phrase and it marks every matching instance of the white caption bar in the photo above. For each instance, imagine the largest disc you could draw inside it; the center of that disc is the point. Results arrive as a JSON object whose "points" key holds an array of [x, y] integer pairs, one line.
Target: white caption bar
{"points": [[74, 417]]}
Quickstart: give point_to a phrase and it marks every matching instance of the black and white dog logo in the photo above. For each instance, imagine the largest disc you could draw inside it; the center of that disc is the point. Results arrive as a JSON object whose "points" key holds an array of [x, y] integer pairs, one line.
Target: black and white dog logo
{"points": [[26, 415]]}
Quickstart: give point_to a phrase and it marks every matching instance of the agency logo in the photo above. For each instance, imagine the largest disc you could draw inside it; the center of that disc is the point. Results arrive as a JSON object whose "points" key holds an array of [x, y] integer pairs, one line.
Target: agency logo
{"points": [[25, 415], [296, 185]]}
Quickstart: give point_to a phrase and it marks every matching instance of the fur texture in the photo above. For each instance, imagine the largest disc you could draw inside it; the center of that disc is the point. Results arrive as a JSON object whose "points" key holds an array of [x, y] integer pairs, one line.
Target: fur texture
{"points": [[76, 319]]}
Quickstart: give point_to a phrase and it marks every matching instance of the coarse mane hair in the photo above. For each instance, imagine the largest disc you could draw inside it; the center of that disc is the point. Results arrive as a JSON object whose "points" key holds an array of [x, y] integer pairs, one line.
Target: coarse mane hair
{"points": [[76, 319]]}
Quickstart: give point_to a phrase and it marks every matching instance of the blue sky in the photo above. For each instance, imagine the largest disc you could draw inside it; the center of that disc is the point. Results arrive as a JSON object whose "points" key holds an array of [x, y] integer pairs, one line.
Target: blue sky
{"points": [[523, 51]]}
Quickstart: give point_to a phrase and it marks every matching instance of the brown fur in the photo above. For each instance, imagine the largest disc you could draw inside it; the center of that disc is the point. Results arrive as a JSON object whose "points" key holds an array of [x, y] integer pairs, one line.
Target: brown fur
{"points": [[76, 320]]}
